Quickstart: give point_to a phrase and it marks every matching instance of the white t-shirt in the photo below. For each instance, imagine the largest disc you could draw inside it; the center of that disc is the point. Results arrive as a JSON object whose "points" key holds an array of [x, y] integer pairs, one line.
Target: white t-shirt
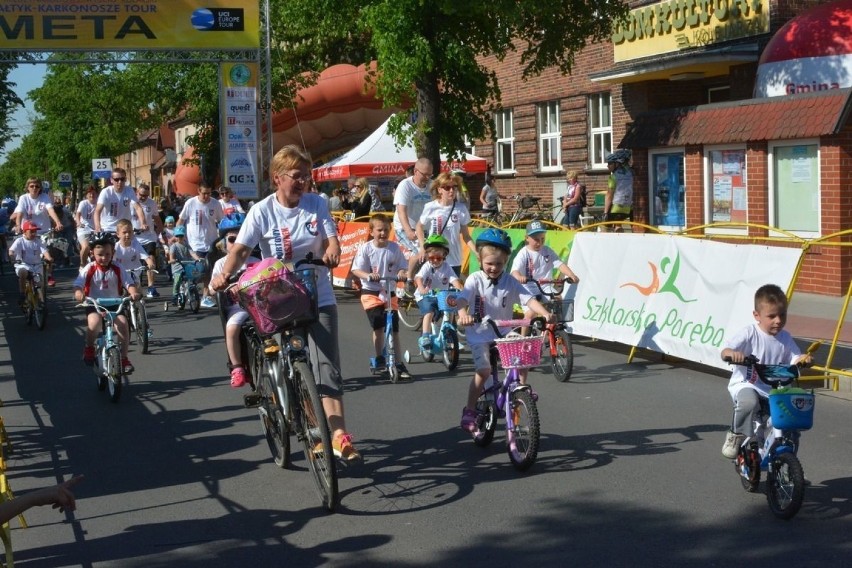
{"points": [[104, 282], [495, 301], [29, 251], [35, 210], [415, 199], [436, 217], [778, 349], [201, 221], [117, 206], [87, 212], [291, 233], [538, 265], [150, 208], [231, 205], [435, 278], [129, 257], [384, 261]]}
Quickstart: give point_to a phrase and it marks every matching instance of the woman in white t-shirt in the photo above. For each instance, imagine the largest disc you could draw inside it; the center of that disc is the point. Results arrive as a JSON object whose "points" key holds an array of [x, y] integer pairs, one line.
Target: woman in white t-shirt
{"points": [[290, 224], [448, 216]]}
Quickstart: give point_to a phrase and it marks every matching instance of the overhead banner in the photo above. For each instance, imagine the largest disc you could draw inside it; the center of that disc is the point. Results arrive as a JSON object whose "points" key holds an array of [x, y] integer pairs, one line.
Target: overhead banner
{"points": [[670, 294], [239, 120], [125, 25]]}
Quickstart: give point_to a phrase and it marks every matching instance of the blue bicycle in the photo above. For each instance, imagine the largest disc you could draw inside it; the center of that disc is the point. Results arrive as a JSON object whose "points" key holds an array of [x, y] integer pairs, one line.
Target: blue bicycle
{"points": [[774, 446], [108, 369], [190, 281], [389, 352], [444, 338]]}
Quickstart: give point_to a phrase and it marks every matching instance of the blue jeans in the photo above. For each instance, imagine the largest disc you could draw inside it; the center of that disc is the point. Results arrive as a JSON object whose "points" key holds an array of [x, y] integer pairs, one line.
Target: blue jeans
{"points": [[572, 217]]}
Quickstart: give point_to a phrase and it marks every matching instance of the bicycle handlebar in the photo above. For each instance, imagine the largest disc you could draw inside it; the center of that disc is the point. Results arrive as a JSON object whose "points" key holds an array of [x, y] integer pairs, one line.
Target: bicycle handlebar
{"points": [[558, 285], [772, 375], [497, 324], [101, 304]]}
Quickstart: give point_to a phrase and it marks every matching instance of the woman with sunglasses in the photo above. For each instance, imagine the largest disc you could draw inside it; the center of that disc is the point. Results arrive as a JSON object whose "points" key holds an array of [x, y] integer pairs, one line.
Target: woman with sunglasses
{"points": [[446, 215], [36, 207]]}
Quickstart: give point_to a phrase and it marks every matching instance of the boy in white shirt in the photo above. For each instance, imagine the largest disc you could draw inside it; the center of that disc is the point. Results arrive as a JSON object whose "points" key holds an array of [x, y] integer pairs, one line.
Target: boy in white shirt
{"points": [[129, 252], [490, 292], [435, 274], [27, 253], [376, 259]]}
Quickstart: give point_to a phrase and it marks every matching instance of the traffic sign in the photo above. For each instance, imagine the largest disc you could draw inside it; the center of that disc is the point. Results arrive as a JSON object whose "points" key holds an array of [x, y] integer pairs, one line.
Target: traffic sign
{"points": [[65, 179], [101, 167]]}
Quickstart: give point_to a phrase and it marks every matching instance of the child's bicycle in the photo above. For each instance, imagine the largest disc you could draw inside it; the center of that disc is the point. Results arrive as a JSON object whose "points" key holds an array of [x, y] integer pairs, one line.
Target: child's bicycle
{"points": [[188, 288], [510, 399], [138, 317], [35, 298], [775, 444], [108, 369], [444, 338], [556, 334], [389, 352]]}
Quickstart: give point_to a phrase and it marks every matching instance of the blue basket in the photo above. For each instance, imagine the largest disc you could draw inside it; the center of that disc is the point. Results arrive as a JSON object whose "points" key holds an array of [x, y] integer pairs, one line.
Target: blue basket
{"points": [[447, 300], [192, 270], [792, 409]]}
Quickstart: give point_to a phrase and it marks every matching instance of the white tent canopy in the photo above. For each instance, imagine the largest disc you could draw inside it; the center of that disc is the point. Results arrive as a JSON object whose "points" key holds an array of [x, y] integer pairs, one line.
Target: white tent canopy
{"points": [[378, 156]]}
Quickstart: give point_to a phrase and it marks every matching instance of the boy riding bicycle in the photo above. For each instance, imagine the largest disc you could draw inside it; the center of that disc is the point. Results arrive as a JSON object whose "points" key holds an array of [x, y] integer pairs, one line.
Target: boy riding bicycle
{"points": [[102, 278], [490, 292], [435, 274], [27, 253], [376, 259]]}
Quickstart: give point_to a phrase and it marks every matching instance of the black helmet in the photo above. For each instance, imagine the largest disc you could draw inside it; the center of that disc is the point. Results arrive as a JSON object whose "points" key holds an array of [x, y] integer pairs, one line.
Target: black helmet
{"points": [[101, 238], [621, 156]]}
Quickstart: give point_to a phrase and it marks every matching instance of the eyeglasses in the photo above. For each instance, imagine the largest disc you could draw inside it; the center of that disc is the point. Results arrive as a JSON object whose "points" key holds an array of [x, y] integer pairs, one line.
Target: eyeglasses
{"points": [[118, 179], [449, 187], [296, 179], [422, 173], [232, 238], [33, 185]]}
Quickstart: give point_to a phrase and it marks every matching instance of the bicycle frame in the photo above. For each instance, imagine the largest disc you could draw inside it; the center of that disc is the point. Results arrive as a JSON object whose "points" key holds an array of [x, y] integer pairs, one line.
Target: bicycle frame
{"points": [[108, 370], [389, 285], [557, 334], [443, 334]]}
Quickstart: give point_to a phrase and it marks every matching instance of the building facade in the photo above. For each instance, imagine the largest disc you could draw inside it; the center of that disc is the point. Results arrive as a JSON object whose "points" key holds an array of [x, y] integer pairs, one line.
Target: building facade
{"points": [[676, 86]]}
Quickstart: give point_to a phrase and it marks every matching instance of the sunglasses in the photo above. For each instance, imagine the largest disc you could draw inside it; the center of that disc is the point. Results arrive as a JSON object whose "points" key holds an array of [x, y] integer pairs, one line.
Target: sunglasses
{"points": [[449, 187], [232, 238], [118, 179], [435, 257]]}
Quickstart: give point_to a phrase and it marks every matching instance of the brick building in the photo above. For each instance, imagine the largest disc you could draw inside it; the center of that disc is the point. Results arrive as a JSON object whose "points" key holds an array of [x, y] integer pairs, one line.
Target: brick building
{"points": [[676, 86]]}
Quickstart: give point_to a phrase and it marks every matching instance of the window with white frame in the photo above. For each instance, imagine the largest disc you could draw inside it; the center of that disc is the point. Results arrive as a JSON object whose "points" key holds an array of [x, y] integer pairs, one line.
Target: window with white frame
{"points": [[469, 147], [549, 137], [600, 129], [505, 150], [795, 195]]}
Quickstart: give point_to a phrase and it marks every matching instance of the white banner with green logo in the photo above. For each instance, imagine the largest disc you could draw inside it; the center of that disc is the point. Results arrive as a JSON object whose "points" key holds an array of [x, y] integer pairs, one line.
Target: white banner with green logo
{"points": [[670, 294]]}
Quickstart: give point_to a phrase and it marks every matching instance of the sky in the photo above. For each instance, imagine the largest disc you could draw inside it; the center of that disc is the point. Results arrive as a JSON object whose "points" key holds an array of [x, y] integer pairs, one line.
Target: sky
{"points": [[27, 77]]}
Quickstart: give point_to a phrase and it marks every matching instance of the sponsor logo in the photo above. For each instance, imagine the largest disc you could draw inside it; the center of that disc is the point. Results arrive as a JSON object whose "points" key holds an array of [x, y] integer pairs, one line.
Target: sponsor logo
{"points": [[219, 20], [240, 163], [241, 178], [669, 287], [240, 121]]}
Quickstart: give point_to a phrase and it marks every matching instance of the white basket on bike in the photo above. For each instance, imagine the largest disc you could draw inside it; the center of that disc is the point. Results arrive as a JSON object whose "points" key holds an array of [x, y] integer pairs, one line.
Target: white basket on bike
{"points": [[447, 300], [519, 352], [277, 298], [563, 308]]}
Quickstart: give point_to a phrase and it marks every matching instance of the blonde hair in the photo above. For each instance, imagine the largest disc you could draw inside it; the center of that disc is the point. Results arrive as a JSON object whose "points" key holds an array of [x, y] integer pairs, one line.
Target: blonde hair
{"points": [[443, 179], [572, 174], [376, 219], [123, 224], [364, 185], [289, 157]]}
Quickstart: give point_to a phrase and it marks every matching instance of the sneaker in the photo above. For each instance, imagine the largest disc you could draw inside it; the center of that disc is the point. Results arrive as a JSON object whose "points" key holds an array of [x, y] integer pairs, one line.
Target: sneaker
{"points": [[403, 372], [152, 293], [51, 282], [343, 448], [238, 377], [468, 420], [732, 445], [89, 355], [127, 366], [379, 362], [208, 302], [425, 342]]}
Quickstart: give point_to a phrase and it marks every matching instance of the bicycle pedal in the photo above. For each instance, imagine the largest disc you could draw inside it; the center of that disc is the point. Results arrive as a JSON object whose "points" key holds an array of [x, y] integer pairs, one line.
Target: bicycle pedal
{"points": [[252, 400]]}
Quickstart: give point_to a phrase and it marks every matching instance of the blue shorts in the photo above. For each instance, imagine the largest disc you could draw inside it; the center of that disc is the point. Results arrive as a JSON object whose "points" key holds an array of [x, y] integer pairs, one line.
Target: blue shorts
{"points": [[428, 305]]}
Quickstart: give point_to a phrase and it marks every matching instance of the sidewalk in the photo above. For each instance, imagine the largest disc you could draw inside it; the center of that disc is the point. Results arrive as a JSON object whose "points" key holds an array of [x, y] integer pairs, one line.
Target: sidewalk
{"points": [[814, 317]]}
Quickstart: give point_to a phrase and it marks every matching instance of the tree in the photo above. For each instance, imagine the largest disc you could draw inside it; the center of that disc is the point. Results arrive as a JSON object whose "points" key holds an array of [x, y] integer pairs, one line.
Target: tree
{"points": [[432, 51], [9, 101]]}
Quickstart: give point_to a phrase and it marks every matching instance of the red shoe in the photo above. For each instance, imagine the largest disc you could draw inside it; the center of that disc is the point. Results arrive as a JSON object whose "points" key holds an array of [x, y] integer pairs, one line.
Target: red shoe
{"points": [[127, 366], [51, 282], [238, 377], [89, 355]]}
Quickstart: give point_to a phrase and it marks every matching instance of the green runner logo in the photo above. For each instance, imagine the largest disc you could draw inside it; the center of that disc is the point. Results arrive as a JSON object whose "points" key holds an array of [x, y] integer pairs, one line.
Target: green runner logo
{"points": [[654, 286]]}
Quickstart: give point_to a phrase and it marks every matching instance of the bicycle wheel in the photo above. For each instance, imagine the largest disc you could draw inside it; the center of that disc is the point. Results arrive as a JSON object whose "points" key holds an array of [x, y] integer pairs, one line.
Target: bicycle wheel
{"points": [[316, 436], [451, 349], [409, 313], [272, 416], [114, 373], [100, 374], [183, 293], [523, 438], [487, 423], [562, 355], [194, 299], [141, 319], [785, 485], [40, 312], [30, 302]]}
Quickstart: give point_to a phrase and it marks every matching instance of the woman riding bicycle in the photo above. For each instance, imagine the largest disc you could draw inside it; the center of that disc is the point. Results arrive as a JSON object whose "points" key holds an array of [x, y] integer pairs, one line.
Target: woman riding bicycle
{"points": [[291, 224]]}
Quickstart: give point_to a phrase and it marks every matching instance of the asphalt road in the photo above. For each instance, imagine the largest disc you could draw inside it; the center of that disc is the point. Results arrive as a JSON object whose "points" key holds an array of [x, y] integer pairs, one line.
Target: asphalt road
{"points": [[178, 474]]}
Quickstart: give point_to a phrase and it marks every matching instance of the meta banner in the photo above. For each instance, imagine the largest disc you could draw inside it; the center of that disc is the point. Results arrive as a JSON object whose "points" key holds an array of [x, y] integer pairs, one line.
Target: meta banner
{"points": [[44, 25]]}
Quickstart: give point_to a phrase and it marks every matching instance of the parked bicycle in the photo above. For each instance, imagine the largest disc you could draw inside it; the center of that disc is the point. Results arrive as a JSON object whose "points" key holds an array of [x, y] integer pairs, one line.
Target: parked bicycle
{"points": [[109, 372], [138, 317], [444, 338], [510, 399], [391, 359], [556, 334], [775, 444], [35, 297], [409, 312], [188, 290], [285, 390], [528, 208]]}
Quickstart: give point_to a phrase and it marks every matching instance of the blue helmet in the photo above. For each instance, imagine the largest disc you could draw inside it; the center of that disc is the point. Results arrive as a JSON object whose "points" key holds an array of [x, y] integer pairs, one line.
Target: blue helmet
{"points": [[231, 222], [495, 237]]}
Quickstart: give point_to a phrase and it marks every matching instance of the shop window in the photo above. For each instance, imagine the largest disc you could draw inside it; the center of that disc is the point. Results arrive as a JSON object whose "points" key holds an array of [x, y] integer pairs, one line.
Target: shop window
{"points": [[667, 195], [600, 129], [505, 151], [469, 147], [549, 137], [795, 197], [727, 194]]}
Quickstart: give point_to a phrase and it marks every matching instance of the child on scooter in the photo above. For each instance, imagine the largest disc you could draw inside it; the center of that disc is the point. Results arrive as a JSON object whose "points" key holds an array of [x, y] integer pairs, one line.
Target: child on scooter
{"points": [[376, 259], [767, 340]]}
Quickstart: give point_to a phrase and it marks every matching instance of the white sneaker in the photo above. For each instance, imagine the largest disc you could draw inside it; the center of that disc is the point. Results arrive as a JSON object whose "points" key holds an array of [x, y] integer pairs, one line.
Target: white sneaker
{"points": [[732, 445], [208, 302]]}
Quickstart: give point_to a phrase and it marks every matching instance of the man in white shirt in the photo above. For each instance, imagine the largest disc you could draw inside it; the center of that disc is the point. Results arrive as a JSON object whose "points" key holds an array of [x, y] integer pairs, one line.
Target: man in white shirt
{"points": [[201, 215], [148, 238], [115, 202], [410, 197]]}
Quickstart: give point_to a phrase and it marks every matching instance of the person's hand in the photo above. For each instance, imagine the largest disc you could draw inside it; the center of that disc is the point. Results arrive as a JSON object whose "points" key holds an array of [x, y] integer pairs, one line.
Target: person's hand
{"points": [[78, 296], [523, 279], [59, 496], [135, 296], [411, 234], [736, 356], [465, 319], [805, 360], [218, 282], [331, 258], [373, 277], [573, 279]]}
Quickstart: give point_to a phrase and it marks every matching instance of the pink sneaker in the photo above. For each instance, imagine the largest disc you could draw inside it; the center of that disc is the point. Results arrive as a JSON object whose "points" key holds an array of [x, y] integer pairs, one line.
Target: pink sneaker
{"points": [[238, 377], [468, 420]]}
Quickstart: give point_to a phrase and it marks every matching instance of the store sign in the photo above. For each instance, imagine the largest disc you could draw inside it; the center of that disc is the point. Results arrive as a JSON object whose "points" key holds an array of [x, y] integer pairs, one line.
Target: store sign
{"points": [[32, 25], [674, 25]]}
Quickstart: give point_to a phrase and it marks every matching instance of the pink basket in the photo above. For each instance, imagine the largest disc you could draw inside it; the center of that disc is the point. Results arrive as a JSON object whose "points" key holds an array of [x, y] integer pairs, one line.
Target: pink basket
{"points": [[520, 352], [278, 299]]}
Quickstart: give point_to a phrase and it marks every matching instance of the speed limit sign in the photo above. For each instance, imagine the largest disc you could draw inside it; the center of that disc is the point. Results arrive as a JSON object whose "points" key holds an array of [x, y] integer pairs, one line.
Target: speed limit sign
{"points": [[65, 179]]}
